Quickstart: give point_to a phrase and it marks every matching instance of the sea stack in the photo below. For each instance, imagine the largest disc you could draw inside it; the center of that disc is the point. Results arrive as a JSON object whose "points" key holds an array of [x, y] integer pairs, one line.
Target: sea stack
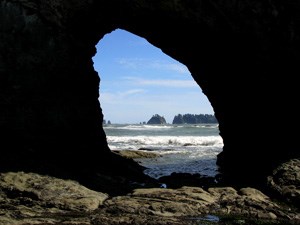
{"points": [[157, 119]]}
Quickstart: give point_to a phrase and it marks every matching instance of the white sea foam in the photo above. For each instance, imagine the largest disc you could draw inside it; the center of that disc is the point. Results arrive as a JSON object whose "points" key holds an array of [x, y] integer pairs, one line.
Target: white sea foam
{"points": [[136, 142], [140, 127], [184, 148], [156, 127]]}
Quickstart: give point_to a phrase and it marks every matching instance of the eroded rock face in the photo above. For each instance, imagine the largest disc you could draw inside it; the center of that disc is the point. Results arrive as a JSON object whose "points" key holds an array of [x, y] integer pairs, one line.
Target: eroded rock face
{"points": [[244, 55]]}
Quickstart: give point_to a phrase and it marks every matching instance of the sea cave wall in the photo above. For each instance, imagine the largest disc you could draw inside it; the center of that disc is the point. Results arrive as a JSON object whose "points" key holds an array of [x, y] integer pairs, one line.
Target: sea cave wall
{"points": [[244, 55]]}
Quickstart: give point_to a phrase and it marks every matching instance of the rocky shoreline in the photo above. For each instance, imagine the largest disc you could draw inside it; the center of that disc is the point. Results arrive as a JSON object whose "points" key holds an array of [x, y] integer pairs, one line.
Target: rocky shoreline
{"points": [[30, 198]]}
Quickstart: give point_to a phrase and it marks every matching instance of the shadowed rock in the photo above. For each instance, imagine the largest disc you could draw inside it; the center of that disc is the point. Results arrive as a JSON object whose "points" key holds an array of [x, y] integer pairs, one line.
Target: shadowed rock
{"points": [[243, 54], [285, 181]]}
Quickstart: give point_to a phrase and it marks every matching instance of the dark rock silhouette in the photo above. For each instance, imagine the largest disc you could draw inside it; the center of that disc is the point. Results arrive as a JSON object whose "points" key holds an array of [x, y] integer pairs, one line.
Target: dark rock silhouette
{"points": [[244, 54], [157, 119]]}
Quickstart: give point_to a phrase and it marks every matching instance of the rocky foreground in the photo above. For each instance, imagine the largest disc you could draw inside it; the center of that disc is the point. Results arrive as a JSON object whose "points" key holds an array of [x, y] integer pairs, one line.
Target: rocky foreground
{"points": [[29, 198]]}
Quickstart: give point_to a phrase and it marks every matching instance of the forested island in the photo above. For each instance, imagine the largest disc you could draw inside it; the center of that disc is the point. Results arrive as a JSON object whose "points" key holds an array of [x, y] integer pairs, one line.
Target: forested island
{"points": [[194, 119]]}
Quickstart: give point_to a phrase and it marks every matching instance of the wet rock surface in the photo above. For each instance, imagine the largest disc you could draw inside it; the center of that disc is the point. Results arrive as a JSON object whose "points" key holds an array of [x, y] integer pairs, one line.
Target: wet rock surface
{"points": [[136, 154], [28, 198]]}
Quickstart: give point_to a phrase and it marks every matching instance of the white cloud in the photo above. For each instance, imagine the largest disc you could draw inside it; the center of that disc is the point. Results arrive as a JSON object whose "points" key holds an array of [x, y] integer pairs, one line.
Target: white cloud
{"points": [[165, 83], [109, 97], [142, 63], [175, 67], [131, 92]]}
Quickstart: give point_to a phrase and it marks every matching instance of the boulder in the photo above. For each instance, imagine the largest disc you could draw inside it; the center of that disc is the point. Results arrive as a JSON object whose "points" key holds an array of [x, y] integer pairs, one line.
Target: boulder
{"points": [[285, 181], [61, 194]]}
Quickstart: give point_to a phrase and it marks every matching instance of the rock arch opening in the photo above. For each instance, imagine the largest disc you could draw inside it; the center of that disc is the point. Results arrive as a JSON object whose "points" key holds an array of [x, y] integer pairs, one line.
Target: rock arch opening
{"points": [[138, 81], [244, 56]]}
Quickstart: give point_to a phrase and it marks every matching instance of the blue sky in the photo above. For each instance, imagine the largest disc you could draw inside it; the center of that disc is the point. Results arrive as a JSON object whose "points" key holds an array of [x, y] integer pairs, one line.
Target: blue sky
{"points": [[138, 80]]}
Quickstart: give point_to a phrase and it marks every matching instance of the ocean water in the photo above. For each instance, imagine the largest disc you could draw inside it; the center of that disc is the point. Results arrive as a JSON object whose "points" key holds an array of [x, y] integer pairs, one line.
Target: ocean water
{"points": [[182, 148]]}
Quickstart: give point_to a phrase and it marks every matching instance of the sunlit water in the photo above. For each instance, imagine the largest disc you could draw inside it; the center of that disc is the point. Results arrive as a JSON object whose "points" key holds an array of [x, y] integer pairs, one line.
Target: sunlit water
{"points": [[183, 148]]}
